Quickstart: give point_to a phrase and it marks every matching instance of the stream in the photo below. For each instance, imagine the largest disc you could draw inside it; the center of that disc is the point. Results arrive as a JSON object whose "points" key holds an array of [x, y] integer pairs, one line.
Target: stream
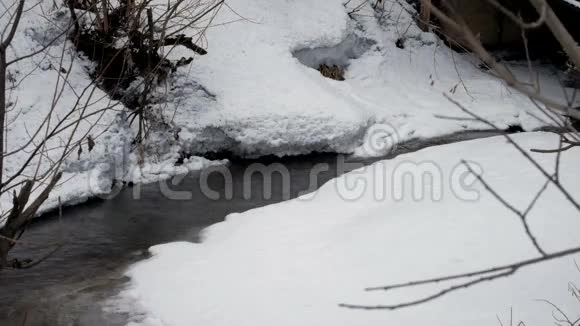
{"points": [[102, 237]]}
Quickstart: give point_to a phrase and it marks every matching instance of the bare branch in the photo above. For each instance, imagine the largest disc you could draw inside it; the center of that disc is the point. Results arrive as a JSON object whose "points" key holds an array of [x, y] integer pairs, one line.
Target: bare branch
{"points": [[483, 276], [506, 204], [18, 15]]}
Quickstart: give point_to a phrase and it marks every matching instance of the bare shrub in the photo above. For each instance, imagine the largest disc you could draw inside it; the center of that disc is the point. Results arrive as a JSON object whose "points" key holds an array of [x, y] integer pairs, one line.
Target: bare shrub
{"points": [[129, 41]]}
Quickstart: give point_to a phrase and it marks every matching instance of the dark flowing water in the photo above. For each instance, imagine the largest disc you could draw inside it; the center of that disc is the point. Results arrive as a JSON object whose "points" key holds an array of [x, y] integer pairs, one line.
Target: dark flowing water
{"points": [[101, 238]]}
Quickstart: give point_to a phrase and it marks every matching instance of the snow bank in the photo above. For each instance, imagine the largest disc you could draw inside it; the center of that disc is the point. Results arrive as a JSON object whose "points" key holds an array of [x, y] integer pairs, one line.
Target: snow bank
{"points": [[43, 92], [261, 96], [293, 263], [256, 93]]}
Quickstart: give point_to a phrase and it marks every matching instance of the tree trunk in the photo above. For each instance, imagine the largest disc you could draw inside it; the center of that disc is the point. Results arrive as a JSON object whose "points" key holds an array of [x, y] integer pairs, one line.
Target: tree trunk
{"points": [[566, 40], [2, 107], [425, 15]]}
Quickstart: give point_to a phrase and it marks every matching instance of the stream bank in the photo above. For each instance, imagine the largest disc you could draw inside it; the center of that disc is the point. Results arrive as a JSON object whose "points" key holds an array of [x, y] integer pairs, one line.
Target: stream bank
{"points": [[103, 237]]}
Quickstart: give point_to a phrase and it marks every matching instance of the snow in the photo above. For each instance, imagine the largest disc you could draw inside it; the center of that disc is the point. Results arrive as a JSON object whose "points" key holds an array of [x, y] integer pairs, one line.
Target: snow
{"points": [[256, 93], [574, 3], [352, 47], [263, 97], [293, 263], [37, 89], [49, 84]]}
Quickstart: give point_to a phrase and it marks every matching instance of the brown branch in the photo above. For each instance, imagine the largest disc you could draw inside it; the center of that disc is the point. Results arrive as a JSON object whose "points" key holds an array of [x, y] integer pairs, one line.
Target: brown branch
{"points": [[39, 260], [74, 17], [31, 210], [522, 151], [6, 42], [510, 207], [3, 65], [475, 46], [20, 215], [425, 15], [566, 40], [433, 296], [523, 25], [483, 276], [105, 16], [557, 150], [183, 41]]}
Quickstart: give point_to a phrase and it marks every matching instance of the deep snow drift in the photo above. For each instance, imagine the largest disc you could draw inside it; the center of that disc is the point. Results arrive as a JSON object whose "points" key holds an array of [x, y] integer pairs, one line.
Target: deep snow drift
{"points": [[293, 263], [263, 97]]}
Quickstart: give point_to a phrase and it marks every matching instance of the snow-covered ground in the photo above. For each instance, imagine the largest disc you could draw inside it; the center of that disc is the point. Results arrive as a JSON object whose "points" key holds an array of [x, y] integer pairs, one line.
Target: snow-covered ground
{"points": [[42, 92], [254, 94], [293, 263], [52, 91], [261, 99]]}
